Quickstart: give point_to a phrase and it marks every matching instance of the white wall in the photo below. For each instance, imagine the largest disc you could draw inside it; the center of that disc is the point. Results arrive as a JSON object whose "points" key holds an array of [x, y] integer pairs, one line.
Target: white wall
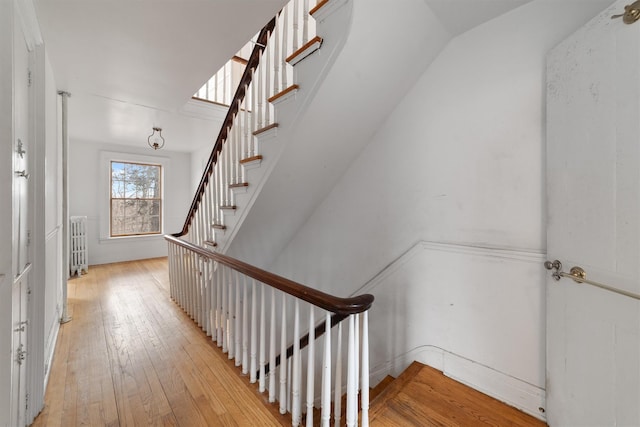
{"points": [[86, 187], [460, 161]]}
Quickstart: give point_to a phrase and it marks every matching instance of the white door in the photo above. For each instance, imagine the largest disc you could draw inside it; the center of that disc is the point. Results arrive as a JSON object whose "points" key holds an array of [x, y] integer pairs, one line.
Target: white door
{"points": [[593, 188], [20, 228], [19, 350]]}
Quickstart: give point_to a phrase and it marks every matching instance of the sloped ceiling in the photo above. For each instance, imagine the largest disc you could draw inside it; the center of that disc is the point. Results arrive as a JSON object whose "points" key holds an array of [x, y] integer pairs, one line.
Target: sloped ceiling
{"points": [[459, 16], [131, 65]]}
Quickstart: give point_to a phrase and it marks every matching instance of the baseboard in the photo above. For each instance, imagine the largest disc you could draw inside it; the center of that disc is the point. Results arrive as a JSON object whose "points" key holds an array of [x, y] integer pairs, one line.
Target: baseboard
{"points": [[50, 350]]}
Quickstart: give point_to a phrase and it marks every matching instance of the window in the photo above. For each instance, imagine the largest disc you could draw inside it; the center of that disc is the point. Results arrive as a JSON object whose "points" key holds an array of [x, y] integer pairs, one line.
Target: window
{"points": [[136, 199]]}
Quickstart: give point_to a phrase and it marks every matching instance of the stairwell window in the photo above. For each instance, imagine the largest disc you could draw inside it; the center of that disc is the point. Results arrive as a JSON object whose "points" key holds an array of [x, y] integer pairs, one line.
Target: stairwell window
{"points": [[136, 199]]}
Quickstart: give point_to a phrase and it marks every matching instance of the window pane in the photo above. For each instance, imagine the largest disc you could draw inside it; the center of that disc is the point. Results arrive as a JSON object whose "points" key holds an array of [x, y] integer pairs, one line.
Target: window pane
{"points": [[135, 199]]}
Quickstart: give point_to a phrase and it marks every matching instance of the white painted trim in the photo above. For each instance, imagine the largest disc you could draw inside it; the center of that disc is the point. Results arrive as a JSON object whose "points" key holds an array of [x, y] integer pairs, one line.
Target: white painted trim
{"points": [[305, 53], [458, 248], [50, 349], [282, 99], [104, 166], [204, 110], [267, 134], [29, 23], [517, 393]]}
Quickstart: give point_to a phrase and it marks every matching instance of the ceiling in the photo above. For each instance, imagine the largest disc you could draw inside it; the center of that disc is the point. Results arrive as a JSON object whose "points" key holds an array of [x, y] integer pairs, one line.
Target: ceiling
{"points": [[458, 16], [131, 65]]}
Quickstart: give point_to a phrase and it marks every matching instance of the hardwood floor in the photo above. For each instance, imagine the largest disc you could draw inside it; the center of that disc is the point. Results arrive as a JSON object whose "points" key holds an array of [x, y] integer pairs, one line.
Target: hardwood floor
{"points": [[423, 396], [131, 357]]}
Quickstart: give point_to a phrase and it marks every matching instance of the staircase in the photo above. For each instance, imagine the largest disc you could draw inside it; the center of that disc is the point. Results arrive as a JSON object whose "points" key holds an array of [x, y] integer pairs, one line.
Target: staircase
{"points": [[272, 93]]}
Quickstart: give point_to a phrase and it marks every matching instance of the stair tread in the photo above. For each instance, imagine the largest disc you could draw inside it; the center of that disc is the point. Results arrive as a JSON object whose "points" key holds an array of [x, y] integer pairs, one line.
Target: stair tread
{"points": [[422, 395], [382, 386], [292, 88], [250, 159], [265, 129], [239, 184], [305, 50]]}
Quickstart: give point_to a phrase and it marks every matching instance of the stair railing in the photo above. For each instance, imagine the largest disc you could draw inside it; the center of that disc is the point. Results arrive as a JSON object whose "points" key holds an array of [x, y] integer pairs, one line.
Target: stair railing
{"points": [[247, 311], [254, 315], [267, 77]]}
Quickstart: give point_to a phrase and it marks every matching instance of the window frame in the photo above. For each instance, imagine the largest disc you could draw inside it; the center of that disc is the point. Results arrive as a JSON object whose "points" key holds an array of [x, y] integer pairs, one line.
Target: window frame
{"points": [[104, 201], [160, 199]]}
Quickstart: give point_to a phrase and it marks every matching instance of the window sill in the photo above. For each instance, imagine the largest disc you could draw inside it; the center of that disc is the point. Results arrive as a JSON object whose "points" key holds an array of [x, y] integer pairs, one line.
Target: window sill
{"points": [[121, 239]]}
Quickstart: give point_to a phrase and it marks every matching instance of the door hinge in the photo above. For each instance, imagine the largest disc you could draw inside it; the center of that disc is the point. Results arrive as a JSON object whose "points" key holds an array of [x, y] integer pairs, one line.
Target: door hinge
{"points": [[28, 237], [28, 78], [21, 326], [26, 402], [21, 354]]}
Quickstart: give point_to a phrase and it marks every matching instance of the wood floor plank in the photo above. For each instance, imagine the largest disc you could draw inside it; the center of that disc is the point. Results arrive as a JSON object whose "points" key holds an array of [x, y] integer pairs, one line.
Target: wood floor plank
{"points": [[131, 357], [423, 396]]}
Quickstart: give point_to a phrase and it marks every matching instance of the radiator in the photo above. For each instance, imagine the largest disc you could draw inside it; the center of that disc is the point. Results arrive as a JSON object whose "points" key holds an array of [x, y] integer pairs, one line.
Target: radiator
{"points": [[78, 256]]}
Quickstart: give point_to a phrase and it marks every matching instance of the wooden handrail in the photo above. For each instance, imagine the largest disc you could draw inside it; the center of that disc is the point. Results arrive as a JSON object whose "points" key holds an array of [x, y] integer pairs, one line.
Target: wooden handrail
{"points": [[252, 63], [337, 305]]}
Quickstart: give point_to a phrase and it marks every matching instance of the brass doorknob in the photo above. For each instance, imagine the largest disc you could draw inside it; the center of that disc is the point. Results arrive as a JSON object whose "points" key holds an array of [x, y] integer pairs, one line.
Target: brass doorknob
{"points": [[631, 13]]}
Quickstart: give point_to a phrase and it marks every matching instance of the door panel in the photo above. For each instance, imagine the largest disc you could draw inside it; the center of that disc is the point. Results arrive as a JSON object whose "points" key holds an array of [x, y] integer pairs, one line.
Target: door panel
{"points": [[593, 193], [21, 149]]}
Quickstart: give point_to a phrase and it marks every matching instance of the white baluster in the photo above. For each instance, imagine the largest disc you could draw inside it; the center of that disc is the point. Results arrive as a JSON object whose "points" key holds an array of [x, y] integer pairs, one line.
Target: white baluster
{"points": [[296, 380], [311, 367], [283, 358], [238, 328], [184, 279], [231, 315], [365, 369], [253, 368], [295, 25], [288, 364], [352, 379], [260, 96], [189, 273], [212, 313], [305, 22], [199, 289], [337, 402], [275, 42], [237, 146], [181, 277], [245, 140], [254, 114], [356, 346], [219, 193], [263, 360], [267, 89], [285, 30], [205, 296], [245, 327], [325, 416], [219, 298], [223, 317], [272, 348]]}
